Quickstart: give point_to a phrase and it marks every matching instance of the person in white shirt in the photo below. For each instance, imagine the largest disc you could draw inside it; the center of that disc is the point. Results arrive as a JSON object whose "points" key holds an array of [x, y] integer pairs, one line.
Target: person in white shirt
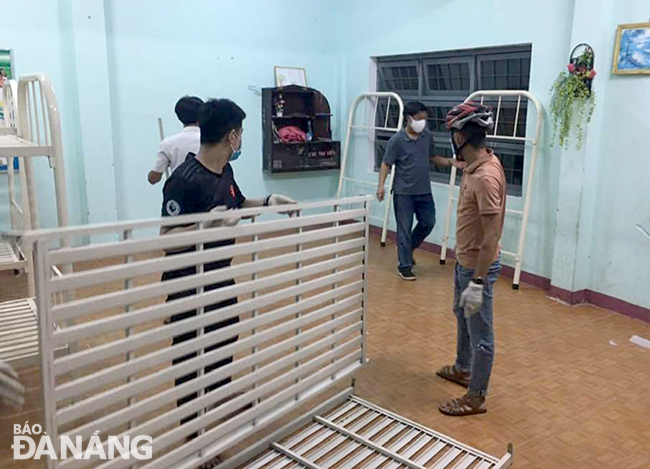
{"points": [[174, 150]]}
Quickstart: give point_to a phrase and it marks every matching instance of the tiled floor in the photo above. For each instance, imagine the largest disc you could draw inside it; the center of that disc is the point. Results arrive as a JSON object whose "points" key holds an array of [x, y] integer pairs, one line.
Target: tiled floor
{"points": [[560, 392]]}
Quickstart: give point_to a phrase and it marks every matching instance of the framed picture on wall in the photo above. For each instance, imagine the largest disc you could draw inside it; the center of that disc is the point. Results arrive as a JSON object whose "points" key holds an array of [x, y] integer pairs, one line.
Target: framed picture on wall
{"points": [[285, 76], [632, 52], [6, 73]]}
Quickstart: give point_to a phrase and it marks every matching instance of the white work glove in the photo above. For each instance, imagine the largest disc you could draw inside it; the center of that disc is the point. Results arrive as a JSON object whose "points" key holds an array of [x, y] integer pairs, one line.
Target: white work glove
{"points": [[471, 299], [277, 199], [11, 391], [223, 222]]}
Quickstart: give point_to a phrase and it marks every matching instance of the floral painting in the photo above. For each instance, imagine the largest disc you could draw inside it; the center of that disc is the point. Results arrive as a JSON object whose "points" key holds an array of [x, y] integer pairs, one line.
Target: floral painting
{"points": [[632, 54]]}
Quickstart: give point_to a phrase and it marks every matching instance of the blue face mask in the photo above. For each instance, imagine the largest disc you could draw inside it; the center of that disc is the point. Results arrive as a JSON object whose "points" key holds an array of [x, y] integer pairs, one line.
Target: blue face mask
{"points": [[235, 153]]}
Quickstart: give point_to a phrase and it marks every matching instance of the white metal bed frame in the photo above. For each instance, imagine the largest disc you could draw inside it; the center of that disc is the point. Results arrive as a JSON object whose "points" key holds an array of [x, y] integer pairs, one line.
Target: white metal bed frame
{"points": [[303, 308], [371, 99], [34, 130], [535, 143]]}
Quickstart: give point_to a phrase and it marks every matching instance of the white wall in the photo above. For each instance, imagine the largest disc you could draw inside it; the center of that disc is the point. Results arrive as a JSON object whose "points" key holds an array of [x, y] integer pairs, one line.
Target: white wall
{"points": [[620, 252], [159, 52]]}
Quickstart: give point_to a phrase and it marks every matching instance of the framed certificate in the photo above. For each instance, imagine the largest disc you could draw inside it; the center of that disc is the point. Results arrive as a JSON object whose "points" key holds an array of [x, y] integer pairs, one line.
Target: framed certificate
{"points": [[285, 76]]}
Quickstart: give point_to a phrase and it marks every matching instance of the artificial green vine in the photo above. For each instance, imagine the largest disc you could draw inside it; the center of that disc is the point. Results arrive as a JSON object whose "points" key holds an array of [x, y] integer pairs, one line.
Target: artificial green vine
{"points": [[572, 104]]}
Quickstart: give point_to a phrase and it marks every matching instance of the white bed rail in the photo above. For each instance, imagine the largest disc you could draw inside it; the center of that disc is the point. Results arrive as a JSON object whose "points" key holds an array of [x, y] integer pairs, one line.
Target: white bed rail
{"points": [[371, 126], [500, 95], [301, 286]]}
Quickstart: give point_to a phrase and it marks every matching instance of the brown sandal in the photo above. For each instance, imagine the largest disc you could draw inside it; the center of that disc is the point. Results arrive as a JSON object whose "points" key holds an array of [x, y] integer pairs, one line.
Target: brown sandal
{"points": [[464, 406], [451, 373]]}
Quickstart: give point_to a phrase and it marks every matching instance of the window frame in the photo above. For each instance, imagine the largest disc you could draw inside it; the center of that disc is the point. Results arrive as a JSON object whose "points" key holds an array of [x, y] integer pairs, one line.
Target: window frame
{"points": [[428, 92], [436, 98], [480, 58], [399, 63]]}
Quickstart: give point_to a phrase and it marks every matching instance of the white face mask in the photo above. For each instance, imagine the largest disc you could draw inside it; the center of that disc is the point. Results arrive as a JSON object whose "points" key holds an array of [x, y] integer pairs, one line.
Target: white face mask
{"points": [[417, 126]]}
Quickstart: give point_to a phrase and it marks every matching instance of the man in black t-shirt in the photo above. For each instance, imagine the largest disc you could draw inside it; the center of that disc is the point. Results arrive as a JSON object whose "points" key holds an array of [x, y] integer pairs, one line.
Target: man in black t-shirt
{"points": [[203, 183]]}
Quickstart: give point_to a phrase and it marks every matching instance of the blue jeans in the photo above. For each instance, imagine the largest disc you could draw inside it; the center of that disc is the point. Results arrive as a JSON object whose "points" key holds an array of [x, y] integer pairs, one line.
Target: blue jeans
{"points": [[406, 206], [475, 339]]}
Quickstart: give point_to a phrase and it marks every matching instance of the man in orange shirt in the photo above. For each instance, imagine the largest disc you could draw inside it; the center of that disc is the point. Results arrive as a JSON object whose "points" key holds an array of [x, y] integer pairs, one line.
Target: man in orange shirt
{"points": [[480, 216]]}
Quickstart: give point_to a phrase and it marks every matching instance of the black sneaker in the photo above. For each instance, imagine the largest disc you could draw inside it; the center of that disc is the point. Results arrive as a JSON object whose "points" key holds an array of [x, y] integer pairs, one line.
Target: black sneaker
{"points": [[407, 274]]}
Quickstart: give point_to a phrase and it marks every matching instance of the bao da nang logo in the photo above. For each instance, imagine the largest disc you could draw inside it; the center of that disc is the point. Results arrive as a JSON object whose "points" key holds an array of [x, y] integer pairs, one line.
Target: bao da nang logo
{"points": [[25, 446]]}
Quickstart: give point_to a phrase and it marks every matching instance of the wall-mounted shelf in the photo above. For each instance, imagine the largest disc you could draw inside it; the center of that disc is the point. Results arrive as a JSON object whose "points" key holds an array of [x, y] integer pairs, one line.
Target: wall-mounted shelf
{"points": [[307, 109]]}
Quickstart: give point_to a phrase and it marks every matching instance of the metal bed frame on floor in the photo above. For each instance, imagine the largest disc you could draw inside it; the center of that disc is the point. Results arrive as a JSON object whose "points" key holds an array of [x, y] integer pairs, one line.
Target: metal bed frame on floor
{"points": [[500, 95], [302, 288]]}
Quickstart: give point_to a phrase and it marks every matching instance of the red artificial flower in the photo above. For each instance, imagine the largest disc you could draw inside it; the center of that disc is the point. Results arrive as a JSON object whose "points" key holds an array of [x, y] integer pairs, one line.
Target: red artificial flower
{"points": [[571, 68], [592, 74]]}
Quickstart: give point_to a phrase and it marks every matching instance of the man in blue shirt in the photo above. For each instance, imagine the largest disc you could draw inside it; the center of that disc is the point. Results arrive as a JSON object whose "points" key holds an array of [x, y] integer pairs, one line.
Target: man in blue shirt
{"points": [[411, 150]]}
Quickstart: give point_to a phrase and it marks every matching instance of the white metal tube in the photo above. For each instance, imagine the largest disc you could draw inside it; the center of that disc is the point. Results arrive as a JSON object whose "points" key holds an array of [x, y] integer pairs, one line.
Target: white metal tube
{"points": [[46, 328], [387, 113], [496, 122], [365, 285], [514, 132], [367, 127], [391, 180], [526, 214], [36, 122], [389, 199], [302, 461], [346, 145], [57, 148], [529, 192], [12, 193], [450, 206], [24, 132]]}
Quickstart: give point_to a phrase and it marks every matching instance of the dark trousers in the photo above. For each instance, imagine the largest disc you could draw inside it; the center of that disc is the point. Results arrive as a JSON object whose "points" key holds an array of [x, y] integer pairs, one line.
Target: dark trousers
{"points": [[193, 334], [406, 206]]}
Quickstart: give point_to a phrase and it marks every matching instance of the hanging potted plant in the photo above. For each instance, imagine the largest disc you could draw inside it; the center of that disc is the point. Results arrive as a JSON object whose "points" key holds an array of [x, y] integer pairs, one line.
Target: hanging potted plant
{"points": [[573, 100]]}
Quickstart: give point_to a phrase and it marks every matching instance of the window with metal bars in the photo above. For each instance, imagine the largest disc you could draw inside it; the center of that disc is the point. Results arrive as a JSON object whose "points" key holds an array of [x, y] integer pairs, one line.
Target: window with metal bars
{"points": [[443, 79]]}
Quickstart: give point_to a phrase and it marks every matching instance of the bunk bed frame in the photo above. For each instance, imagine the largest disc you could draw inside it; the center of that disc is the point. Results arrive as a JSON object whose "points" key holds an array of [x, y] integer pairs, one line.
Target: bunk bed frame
{"points": [[33, 130]]}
